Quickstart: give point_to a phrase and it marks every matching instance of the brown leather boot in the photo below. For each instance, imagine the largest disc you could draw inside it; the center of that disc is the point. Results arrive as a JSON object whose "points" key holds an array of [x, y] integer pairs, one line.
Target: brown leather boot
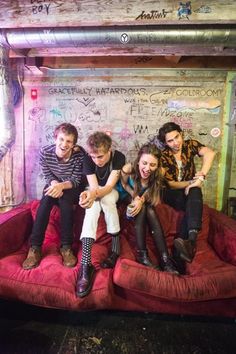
{"points": [[85, 280], [186, 249], [33, 258], [69, 260]]}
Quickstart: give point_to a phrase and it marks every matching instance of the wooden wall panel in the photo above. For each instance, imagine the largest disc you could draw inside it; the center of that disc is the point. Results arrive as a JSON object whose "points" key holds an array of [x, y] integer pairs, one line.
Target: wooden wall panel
{"points": [[37, 13]]}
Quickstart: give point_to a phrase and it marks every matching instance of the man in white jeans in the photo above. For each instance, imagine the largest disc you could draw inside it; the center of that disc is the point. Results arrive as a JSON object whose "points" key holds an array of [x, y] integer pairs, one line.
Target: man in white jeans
{"points": [[102, 168]]}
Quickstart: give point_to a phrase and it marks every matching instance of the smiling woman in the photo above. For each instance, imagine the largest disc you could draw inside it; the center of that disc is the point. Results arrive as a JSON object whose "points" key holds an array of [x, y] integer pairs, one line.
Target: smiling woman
{"points": [[143, 183]]}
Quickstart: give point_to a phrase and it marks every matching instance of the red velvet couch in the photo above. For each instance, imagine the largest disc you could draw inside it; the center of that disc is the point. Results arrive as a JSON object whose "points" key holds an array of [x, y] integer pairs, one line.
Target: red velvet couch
{"points": [[208, 288]]}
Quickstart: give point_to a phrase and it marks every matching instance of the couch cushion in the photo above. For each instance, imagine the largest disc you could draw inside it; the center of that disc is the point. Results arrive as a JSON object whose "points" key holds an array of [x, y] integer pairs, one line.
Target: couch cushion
{"points": [[51, 284], [216, 282], [207, 276], [15, 225], [222, 236]]}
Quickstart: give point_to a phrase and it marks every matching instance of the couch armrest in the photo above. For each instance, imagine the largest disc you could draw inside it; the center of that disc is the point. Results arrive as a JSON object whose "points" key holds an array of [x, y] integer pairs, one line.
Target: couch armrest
{"points": [[15, 228], [222, 235]]}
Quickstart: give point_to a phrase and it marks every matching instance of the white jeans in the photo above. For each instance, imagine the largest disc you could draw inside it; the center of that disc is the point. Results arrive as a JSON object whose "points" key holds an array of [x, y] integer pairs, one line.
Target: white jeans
{"points": [[107, 204]]}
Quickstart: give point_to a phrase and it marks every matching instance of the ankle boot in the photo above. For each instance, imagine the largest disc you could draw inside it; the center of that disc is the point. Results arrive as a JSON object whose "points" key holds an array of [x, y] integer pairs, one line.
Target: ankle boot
{"points": [[178, 261], [167, 265], [110, 262], [186, 249], [33, 259], [85, 279], [142, 257]]}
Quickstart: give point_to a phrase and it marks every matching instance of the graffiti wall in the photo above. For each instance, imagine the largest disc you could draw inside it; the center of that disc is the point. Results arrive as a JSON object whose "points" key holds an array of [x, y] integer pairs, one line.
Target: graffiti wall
{"points": [[130, 105]]}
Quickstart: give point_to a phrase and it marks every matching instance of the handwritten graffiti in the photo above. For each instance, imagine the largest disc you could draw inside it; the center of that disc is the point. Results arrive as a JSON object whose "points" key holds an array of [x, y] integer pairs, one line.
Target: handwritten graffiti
{"points": [[204, 9], [198, 92], [140, 129], [55, 112], [120, 91], [44, 6], [185, 123], [125, 134], [40, 7], [85, 100], [152, 15], [36, 114], [70, 90]]}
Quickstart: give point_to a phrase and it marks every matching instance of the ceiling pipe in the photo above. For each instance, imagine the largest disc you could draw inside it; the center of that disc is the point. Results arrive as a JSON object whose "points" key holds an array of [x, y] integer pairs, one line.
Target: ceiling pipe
{"points": [[131, 36], [102, 37]]}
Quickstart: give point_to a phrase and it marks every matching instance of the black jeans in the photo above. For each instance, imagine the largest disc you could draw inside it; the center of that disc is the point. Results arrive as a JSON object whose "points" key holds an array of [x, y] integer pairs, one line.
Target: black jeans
{"points": [[191, 204], [65, 203]]}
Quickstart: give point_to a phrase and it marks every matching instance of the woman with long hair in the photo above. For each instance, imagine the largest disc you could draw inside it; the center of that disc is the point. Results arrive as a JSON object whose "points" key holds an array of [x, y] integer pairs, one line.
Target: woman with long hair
{"points": [[142, 184]]}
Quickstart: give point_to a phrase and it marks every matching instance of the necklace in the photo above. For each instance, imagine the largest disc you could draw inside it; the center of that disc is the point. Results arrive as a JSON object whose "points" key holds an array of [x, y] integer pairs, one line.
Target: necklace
{"points": [[101, 178]]}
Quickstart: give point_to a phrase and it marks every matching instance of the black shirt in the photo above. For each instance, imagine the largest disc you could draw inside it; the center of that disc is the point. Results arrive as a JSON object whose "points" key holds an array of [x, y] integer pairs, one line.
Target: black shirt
{"points": [[116, 162]]}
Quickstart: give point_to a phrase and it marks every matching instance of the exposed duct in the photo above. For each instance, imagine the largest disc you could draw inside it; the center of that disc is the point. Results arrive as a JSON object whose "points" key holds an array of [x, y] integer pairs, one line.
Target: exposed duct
{"points": [[7, 119], [130, 36], [147, 37]]}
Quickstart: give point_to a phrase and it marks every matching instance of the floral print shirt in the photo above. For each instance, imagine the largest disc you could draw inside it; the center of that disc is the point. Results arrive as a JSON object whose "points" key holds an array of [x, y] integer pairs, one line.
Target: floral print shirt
{"points": [[190, 149]]}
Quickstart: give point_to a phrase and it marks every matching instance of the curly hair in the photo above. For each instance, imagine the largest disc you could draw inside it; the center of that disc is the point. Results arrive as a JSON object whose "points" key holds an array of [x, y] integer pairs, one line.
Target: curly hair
{"points": [[155, 183], [99, 140]]}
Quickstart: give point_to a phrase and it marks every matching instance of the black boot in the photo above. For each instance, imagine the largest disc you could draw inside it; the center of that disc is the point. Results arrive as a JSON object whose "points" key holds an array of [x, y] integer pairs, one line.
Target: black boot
{"points": [[142, 257], [179, 262], [167, 265], [110, 262], [85, 280]]}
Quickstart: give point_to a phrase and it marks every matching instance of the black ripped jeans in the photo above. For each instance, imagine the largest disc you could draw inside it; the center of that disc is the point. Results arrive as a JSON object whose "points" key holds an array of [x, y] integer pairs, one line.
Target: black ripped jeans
{"points": [[65, 203], [191, 204]]}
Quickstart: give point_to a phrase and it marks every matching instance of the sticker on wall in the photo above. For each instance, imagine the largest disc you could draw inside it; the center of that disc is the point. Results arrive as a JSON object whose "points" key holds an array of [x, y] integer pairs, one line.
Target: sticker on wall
{"points": [[215, 132]]}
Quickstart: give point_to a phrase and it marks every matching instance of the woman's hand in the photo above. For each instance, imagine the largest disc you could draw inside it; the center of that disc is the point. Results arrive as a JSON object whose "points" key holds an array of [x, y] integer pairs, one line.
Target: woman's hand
{"points": [[137, 203]]}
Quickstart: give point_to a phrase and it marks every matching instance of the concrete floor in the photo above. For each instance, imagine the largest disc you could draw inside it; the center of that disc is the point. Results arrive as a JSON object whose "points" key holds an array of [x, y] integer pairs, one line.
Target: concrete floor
{"points": [[30, 330]]}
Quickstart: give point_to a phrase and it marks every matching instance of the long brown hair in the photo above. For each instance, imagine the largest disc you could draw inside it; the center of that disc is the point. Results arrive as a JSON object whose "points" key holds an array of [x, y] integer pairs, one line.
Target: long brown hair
{"points": [[154, 188]]}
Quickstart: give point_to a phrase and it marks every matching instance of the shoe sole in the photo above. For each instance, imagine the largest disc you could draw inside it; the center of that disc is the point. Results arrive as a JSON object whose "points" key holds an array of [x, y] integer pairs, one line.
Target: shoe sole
{"points": [[28, 268], [69, 266]]}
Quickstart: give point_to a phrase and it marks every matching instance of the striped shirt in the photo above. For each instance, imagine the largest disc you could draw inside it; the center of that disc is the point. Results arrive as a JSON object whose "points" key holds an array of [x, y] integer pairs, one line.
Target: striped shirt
{"points": [[54, 169]]}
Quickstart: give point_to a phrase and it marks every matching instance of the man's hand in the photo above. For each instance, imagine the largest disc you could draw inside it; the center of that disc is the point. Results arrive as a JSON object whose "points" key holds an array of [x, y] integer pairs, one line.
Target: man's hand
{"points": [[194, 183], [87, 198], [55, 190]]}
